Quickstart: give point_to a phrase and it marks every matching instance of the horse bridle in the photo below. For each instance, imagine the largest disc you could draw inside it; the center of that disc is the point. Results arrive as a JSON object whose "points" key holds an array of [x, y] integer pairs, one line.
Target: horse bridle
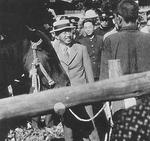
{"points": [[37, 64]]}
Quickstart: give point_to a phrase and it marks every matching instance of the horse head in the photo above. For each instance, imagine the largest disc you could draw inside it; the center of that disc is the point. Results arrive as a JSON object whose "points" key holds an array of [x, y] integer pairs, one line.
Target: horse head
{"points": [[16, 54], [42, 64], [48, 66], [16, 58]]}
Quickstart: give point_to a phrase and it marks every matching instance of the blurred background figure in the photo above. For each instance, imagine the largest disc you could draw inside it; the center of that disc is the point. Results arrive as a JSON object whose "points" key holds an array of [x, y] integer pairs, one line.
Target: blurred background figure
{"points": [[64, 17], [74, 22], [146, 28], [117, 25], [106, 22], [50, 10], [93, 16]]}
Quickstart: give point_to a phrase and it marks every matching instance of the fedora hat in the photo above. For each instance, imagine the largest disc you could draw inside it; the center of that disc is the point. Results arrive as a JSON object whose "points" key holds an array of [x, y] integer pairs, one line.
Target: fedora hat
{"points": [[61, 25], [90, 14]]}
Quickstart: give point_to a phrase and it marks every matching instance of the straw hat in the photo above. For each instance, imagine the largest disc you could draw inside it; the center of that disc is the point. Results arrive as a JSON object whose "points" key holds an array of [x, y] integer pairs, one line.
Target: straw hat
{"points": [[90, 14], [61, 25]]}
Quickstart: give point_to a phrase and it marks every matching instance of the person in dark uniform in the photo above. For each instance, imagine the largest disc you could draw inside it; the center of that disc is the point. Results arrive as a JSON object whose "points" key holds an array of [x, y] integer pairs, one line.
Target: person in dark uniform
{"points": [[106, 22], [94, 44]]}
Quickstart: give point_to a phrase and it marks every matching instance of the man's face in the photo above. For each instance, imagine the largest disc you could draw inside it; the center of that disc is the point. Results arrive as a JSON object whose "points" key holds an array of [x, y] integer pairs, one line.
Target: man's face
{"points": [[65, 36], [104, 23], [88, 28]]}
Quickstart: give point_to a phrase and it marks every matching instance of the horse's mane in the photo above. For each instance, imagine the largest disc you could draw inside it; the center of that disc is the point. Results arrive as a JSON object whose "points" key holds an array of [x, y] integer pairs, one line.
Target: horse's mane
{"points": [[49, 48]]}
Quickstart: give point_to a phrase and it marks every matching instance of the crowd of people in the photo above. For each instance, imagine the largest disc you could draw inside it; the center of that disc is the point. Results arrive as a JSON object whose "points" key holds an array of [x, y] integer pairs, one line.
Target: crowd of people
{"points": [[84, 49]]}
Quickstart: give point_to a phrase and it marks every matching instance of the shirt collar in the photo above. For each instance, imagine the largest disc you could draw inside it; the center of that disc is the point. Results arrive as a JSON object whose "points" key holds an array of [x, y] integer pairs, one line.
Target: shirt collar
{"points": [[91, 38], [64, 48], [131, 27]]}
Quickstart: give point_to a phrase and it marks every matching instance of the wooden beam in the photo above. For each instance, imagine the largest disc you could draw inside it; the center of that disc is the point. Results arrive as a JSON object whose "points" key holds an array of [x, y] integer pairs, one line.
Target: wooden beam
{"points": [[110, 89], [115, 71]]}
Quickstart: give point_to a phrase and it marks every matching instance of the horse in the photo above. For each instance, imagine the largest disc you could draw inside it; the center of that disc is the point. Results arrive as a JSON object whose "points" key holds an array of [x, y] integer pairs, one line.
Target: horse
{"points": [[16, 57]]}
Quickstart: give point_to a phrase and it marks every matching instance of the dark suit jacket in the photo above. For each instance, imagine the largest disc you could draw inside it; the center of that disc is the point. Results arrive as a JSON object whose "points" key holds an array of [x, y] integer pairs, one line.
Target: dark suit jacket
{"points": [[129, 45], [94, 48]]}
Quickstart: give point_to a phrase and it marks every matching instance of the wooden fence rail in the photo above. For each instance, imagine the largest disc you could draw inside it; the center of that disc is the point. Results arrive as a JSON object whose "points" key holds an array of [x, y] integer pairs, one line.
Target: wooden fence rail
{"points": [[111, 89]]}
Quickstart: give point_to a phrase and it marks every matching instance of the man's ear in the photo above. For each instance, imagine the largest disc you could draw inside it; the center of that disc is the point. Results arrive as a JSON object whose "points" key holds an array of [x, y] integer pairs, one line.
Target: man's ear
{"points": [[120, 19], [56, 34], [57, 37]]}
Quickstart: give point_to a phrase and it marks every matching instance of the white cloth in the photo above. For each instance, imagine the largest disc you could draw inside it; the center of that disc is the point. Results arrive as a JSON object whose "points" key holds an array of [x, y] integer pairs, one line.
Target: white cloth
{"points": [[145, 29]]}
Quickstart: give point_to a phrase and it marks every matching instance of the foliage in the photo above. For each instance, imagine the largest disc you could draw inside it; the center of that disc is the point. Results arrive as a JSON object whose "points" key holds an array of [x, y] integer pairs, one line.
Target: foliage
{"points": [[30, 134]]}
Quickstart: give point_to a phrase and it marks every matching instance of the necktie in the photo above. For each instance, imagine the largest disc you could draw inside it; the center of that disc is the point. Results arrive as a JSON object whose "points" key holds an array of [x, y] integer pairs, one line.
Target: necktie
{"points": [[66, 53]]}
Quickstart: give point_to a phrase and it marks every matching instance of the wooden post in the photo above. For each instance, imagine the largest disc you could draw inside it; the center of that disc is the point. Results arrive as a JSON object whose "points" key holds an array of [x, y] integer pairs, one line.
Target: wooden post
{"points": [[115, 71], [107, 90]]}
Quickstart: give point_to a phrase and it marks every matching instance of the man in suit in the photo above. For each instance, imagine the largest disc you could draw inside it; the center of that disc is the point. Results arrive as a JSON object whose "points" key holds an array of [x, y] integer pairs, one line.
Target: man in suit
{"points": [[76, 62]]}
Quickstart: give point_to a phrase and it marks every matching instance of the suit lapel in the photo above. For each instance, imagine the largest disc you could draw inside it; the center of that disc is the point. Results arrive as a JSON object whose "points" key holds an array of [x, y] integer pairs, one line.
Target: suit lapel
{"points": [[61, 55], [73, 53]]}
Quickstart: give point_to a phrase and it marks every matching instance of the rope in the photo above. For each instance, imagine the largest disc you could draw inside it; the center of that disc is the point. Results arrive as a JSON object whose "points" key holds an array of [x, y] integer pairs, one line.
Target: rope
{"points": [[35, 79], [108, 134], [90, 119], [50, 81], [33, 72]]}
